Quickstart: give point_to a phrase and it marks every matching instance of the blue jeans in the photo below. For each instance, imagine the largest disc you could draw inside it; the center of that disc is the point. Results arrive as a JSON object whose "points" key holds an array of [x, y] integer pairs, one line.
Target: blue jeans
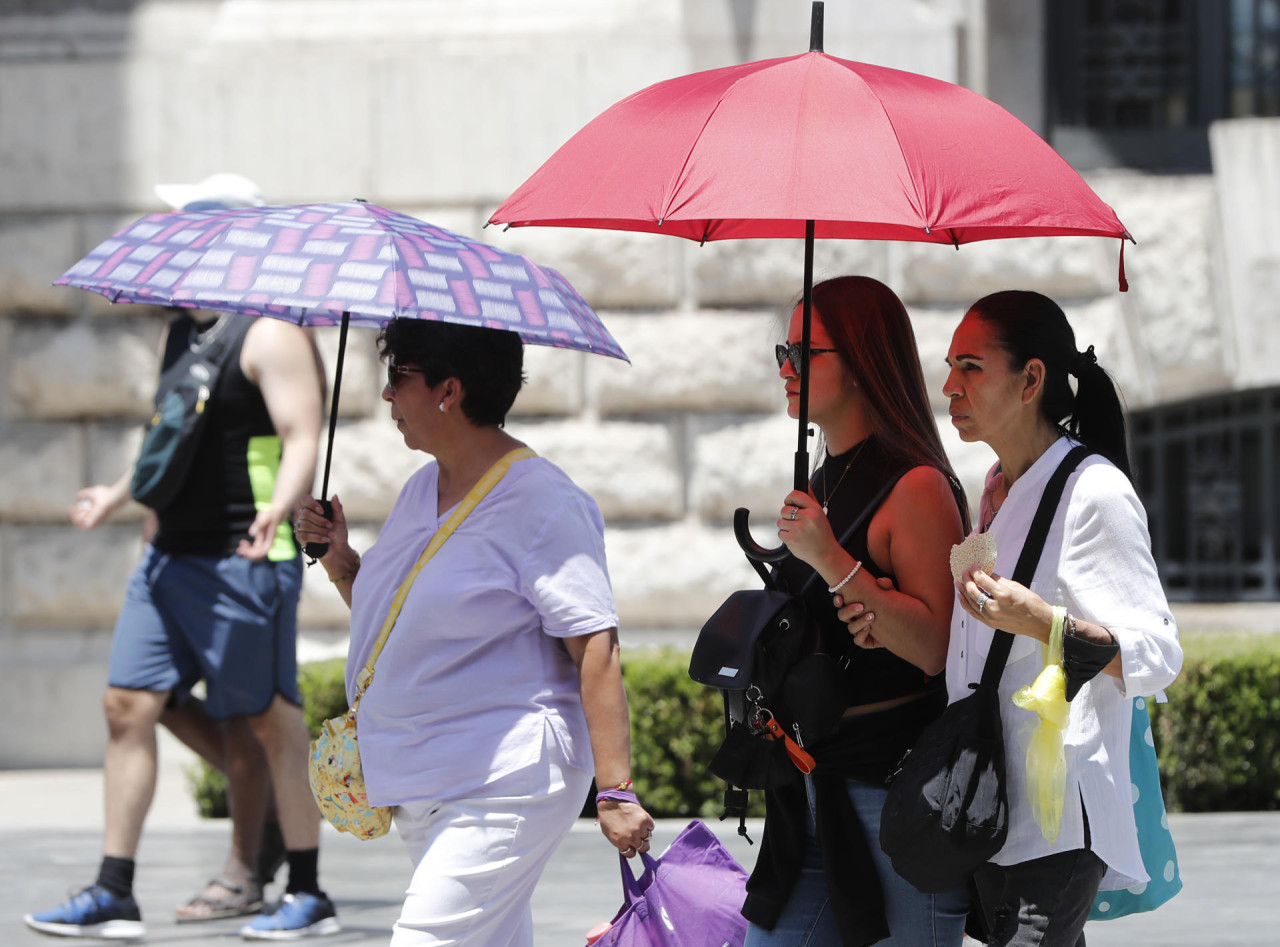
{"points": [[915, 919]]}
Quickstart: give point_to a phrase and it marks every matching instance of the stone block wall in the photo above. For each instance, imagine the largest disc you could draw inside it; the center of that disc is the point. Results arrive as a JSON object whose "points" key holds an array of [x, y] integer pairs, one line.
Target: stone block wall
{"points": [[440, 113]]}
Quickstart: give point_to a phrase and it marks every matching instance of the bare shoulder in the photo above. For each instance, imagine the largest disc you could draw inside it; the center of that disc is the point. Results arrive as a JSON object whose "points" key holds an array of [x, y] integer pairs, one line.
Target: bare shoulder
{"points": [[927, 486], [267, 332], [272, 343], [922, 504]]}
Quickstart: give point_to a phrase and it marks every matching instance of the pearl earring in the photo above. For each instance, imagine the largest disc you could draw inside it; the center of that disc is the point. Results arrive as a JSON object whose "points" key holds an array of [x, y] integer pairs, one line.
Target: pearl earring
{"points": [[442, 407]]}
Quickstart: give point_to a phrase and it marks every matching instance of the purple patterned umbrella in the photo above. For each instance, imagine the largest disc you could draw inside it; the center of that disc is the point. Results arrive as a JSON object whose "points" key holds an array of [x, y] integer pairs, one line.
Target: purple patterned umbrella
{"points": [[337, 264], [313, 264]]}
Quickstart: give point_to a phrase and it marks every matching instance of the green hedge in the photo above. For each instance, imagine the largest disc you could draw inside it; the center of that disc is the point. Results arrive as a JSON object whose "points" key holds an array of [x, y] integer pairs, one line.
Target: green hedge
{"points": [[1218, 737]]}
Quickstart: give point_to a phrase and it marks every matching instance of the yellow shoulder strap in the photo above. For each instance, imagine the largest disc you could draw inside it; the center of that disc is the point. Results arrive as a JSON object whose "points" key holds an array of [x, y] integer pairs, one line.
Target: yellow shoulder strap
{"points": [[469, 503]]}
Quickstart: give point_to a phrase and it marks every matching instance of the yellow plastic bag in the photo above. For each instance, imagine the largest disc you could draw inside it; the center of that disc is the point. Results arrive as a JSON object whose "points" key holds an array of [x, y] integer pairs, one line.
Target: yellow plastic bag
{"points": [[1046, 760]]}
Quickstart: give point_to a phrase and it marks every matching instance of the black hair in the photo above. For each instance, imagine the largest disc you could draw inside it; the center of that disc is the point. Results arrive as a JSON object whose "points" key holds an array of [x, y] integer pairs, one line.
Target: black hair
{"points": [[1031, 325], [489, 363]]}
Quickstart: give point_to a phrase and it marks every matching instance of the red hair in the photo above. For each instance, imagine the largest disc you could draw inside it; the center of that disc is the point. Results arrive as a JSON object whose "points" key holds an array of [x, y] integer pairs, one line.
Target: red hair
{"points": [[870, 329]]}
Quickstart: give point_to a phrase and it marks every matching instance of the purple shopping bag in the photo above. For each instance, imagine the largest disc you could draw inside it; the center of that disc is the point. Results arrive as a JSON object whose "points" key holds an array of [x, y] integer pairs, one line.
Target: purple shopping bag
{"points": [[690, 896]]}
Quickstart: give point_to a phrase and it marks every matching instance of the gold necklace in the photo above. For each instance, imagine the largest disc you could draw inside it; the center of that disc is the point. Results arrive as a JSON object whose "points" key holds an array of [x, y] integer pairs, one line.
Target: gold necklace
{"points": [[826, 497]]}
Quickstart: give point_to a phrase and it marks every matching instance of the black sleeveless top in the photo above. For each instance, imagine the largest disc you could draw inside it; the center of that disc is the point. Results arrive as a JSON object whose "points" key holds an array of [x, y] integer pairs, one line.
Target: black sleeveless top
{"points": [[236, 462], [864, 748], [874, 674]]}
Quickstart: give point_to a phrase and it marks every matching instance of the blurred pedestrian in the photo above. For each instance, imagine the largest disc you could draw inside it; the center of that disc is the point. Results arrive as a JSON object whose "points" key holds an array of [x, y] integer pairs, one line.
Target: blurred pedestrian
{"points": [[214, 598]]}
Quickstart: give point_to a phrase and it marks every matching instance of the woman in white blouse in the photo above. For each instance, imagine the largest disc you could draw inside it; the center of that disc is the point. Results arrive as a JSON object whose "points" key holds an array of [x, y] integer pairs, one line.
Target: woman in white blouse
{"points": [[499, 690], [1008, 386]]}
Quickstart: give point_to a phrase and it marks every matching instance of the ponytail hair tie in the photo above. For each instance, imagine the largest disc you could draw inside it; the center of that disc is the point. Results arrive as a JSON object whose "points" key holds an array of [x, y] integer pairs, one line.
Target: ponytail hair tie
{"points": [[1081, 361]]}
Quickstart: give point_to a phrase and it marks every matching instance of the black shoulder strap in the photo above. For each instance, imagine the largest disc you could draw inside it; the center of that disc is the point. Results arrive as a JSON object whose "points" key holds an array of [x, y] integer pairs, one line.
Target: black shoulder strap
{"points": [[212, 353], [1025, 570]]}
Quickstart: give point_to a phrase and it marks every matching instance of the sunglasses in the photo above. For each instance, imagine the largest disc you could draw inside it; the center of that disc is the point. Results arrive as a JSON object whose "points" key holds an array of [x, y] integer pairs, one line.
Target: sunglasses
{"points": [[396, 372], [794, 351]]}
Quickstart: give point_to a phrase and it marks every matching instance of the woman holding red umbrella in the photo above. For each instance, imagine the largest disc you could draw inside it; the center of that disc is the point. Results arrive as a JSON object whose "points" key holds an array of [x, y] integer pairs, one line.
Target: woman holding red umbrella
{"points": [[821, 878]]}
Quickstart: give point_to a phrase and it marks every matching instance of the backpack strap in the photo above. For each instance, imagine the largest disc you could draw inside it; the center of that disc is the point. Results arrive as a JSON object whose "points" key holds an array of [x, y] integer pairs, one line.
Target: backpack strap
{"points": [[1025, 570]]}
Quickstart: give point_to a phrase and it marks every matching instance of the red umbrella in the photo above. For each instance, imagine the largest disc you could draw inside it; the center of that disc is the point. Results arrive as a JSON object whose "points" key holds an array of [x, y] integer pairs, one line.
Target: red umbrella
{"points": [[807, 146]]}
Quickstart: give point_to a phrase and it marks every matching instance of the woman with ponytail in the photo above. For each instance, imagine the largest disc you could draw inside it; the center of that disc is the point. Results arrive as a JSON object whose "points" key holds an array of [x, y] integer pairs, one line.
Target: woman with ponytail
{"points": [[1095, 599]]}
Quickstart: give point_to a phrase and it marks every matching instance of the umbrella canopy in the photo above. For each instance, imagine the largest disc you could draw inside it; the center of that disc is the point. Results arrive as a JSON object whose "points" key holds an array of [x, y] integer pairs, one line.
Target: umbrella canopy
{"points": [[315, 264], [337, 264], [810, 146], [758, 149]]}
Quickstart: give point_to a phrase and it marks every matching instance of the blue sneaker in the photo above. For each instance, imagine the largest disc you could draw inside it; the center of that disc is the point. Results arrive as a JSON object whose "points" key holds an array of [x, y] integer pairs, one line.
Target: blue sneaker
{"points": [[297, 916], [94, 912]]}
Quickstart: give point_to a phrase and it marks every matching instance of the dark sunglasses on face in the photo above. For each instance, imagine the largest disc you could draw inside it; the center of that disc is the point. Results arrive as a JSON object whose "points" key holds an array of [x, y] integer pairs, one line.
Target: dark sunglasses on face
{"points": [[793, 352], [396, 372]]}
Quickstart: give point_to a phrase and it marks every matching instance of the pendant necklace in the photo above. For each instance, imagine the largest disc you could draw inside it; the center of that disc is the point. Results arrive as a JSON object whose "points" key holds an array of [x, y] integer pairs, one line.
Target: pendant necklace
{"points": [[826, 497]]}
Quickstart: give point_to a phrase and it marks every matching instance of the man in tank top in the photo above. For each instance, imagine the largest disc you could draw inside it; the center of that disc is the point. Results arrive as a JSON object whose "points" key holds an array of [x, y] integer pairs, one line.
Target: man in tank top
{"points": [[214, 599]]}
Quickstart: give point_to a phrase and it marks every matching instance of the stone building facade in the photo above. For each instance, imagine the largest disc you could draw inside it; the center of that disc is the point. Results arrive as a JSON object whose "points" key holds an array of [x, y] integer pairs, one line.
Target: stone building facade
{"points": [[440, 110]]}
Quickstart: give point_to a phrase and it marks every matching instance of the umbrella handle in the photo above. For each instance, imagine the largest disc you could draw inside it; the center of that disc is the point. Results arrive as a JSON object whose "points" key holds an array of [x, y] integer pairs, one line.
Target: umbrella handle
{"points": [[318, 550], [755, 552]]}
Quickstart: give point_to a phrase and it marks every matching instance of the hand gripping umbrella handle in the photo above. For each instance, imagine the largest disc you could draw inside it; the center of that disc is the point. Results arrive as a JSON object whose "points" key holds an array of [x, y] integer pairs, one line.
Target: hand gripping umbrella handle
{"points": [[319, 550]]}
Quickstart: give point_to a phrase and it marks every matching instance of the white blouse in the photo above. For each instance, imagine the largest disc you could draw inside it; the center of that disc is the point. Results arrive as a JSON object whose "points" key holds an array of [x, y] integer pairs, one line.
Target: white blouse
{"points": [[1097, 563], [474, 680]]}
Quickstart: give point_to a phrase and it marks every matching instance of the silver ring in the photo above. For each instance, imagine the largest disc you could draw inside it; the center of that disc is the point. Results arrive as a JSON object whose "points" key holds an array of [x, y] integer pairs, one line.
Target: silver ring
{"points": [[983, 598], [795, 510]]}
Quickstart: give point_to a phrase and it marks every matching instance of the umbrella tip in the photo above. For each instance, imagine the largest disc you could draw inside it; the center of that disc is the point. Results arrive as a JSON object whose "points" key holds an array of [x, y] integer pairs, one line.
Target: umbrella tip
{"points": [[815, 27]]}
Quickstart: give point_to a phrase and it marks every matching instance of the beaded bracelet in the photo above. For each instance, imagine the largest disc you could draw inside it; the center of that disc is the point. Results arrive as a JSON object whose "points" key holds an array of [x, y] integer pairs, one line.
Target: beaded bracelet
{"points": [[846, 580], [350, 573]]}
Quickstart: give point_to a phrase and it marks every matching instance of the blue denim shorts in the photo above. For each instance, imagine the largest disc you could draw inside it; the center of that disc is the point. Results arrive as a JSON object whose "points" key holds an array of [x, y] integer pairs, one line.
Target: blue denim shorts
{"points": [[228, 621]]}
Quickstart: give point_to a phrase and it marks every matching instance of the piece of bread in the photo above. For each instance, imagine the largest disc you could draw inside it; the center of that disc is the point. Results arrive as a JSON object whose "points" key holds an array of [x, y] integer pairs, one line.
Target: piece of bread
{"points": [[978, 549]]}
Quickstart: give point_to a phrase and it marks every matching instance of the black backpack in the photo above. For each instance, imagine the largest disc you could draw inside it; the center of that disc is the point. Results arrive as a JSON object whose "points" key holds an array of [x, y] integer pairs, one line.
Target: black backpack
{"points": [[187, 383]]}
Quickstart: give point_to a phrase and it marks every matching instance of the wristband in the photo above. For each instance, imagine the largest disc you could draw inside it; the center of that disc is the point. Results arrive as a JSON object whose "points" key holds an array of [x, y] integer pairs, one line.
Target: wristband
{"points": [[617, 795], [846, 580]]}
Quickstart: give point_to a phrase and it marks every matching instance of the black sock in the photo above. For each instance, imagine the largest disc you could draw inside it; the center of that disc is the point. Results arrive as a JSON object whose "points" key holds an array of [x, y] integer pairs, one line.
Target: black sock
{"points": [[116, 875], [304, 871]]}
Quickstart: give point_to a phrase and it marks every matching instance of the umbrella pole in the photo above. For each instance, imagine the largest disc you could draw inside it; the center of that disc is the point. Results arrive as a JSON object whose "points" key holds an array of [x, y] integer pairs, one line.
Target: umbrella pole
{"points": [[741, 530], [316, 550], [806, 321]]}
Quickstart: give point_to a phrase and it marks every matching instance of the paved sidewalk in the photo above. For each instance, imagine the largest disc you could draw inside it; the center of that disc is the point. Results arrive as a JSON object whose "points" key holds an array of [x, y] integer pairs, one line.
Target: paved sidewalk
{"points": [[50, 838]]}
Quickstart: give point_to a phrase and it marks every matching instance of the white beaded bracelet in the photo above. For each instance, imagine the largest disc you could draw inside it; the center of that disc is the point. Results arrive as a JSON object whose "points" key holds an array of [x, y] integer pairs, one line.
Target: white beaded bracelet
{"points": [[833, 589]]}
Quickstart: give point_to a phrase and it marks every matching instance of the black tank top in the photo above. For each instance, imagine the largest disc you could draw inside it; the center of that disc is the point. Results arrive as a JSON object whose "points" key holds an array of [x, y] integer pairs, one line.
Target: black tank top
{"points": [[235, 465], [873, 674]]}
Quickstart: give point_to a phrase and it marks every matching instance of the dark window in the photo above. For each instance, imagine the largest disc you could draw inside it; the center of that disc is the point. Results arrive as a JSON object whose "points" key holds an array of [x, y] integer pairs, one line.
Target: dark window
{"points": [[1206, 471], [1135, 83]]}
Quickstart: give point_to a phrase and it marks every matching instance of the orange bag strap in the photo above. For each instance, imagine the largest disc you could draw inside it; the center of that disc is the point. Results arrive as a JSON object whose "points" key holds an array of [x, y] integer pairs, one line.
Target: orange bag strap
{"points": [[469, 503]]}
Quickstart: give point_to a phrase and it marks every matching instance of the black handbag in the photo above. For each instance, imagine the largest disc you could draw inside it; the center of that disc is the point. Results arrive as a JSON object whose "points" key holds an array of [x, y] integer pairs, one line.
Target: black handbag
{"points": [[947, 811]]}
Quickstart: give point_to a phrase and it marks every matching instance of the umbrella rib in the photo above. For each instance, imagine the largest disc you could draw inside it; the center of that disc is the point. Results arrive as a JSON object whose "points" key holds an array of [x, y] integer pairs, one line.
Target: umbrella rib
{"points": [[919, 200]]}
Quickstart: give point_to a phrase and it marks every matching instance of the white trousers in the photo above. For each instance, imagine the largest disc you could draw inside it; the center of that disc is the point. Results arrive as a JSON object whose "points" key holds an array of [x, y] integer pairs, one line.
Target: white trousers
{"points": [[478, 859]]}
